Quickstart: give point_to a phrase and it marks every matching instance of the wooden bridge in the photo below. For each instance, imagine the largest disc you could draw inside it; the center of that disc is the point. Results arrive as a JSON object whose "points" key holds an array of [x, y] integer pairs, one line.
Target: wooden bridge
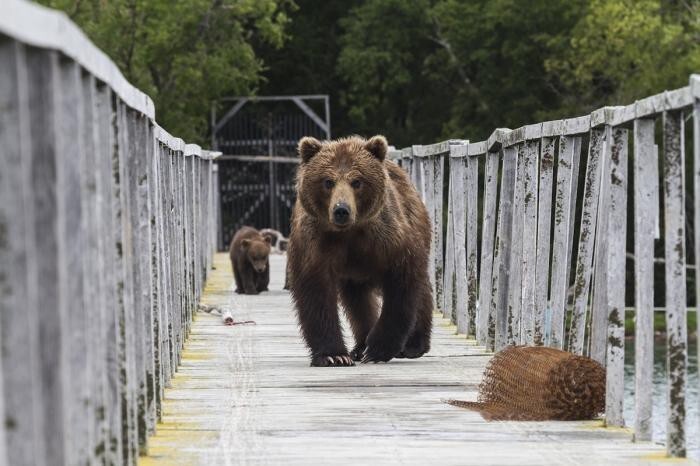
{"points": [[107, 234]]}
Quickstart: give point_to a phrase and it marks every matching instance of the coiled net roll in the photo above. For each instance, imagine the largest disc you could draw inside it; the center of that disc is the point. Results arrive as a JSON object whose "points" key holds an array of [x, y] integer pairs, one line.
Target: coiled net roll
{"points": [[537, 383]]}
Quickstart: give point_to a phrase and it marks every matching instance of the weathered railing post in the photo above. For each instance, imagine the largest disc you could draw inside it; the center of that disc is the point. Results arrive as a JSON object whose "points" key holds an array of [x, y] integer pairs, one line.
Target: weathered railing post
{"points": [[563, 233], [674, 248], [586, 243], [88, 250], [646, 178], [456, 267], [485, 326]]}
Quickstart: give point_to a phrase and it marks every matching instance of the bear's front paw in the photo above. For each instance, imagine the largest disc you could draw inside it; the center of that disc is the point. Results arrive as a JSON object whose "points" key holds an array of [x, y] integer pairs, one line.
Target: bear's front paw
{"points": [[381, 351], [339, 360], [358, 352]]}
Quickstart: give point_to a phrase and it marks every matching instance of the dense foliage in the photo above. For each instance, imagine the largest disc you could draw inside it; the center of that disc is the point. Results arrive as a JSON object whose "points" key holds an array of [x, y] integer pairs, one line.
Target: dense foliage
{"points": [[417, 71], [184, 54]]}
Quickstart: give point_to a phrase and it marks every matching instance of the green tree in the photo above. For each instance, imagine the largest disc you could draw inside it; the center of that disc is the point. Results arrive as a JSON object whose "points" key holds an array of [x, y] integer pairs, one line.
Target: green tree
{"points": [[184, 54], [622, 50]]}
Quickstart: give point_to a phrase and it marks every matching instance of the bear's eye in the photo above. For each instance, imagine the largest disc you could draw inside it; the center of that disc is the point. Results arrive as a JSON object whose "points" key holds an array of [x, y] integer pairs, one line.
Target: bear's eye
{"points": [[329, 184], [356, 184]]}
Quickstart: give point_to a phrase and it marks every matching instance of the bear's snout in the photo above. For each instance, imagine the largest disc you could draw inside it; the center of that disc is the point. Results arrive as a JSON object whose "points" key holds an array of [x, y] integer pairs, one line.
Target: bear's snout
{"points": [[341, 214]]}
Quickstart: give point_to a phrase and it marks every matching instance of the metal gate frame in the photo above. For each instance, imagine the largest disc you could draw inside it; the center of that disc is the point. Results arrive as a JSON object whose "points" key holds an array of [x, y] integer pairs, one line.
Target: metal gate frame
{"points": [[238, 103]]}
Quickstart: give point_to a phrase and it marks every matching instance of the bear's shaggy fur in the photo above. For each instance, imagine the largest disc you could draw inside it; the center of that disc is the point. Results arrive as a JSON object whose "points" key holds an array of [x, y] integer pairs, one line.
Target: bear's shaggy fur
{"points": [[359, 231], [250, 261]]}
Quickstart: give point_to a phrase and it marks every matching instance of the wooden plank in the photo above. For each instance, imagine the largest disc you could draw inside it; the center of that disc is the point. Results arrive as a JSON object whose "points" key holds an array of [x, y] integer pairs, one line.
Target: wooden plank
{"points": [[429, 200], [135, 254], [449, 296], [617, 243], [460, 209], [582, 278], [154, 399], [145, 413], [72, 239], [484, 329], [45, 109], [471, 191], [566, 183], [674, 248], [578, 143], [515, 290], [125, 287], [19, 331], [599, 293], [438, 201], [110, 248], [502, 248], [94, 272], [646, 176], [529, 239], [544, 224]]}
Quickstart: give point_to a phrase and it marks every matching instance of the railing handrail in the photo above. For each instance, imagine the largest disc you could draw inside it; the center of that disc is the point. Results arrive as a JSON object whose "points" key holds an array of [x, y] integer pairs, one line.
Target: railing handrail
{"points": [[518, 296]]}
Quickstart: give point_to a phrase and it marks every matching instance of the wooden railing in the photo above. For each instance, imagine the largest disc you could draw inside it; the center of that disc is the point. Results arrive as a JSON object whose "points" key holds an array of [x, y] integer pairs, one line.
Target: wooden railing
{"points": [[511, 206], [106, 236]]}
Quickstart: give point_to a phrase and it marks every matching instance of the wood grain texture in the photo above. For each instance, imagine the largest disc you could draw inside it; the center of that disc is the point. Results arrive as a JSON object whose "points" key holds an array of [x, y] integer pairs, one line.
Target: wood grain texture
{"points": [[449, 291], [615, 306], [584, 264], [502, 248], [438, 161], [246, 395], [646, 177], [674, 251], [515, 266], [485, 317], [599, 286], [529, 237], [471, 188], [544, 246]]}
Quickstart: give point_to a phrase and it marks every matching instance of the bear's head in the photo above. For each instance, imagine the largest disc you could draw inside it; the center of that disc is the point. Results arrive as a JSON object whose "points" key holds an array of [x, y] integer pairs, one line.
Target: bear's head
{"points": [[341, 183], [257, 252]]}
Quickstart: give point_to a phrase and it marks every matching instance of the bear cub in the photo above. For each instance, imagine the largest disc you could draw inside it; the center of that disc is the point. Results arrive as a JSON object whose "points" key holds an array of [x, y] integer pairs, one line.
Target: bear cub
{"points": [[250, 261], [359, 232]]}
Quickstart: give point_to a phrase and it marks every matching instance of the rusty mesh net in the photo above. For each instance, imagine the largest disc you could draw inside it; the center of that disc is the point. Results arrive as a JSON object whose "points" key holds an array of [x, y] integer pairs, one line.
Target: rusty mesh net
{"points": [[526, 383]]}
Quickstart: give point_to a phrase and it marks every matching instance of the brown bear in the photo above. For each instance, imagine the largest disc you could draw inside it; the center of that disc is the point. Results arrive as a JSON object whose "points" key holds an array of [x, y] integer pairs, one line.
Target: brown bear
{"points": [[250, 261], [359, 231]]}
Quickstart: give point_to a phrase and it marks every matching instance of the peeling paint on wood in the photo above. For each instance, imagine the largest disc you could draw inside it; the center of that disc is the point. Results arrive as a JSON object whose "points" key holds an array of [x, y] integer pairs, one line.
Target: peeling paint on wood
{"points": [[562, 213], [674, 247], [515, 289], [529, 239], [584, 264], [544, 219], [599, 279], [471, 188], [646, 177], [616, 250], [485, 317], [502, 254]]}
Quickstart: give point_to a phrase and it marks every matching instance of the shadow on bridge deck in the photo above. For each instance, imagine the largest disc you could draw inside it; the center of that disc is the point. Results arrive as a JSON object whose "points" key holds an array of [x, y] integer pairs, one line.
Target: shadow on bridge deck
{"points": [[246, 395]]}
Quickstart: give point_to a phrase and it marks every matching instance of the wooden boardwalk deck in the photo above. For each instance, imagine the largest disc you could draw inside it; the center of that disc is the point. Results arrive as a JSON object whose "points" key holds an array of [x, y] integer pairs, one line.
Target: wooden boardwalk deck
{"points": [[246, 395]]}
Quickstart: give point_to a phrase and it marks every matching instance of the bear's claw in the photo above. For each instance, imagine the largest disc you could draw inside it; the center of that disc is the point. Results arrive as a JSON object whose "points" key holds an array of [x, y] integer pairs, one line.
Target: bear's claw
{"points": [[341, 360], [358, 353], [376, 356]]}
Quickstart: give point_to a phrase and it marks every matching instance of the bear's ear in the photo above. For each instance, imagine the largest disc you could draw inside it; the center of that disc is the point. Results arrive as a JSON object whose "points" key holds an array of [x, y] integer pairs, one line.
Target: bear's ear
{"points": [[245, 243], [377, 146], [308, 147]]}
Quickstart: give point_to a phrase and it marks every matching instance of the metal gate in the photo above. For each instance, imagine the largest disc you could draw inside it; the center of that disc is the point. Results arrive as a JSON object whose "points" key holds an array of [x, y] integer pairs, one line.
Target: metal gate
{"points": [[258, 138]]}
